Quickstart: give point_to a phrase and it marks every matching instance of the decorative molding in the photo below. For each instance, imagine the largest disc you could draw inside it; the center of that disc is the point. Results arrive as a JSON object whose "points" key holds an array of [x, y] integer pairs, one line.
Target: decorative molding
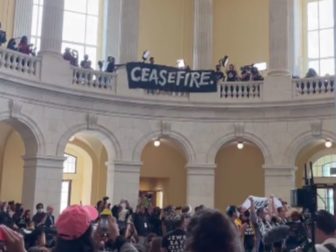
{"points": [[239, 129], [164, 127], [14, 108], [91, 121], [201, 169], [316, 128]]}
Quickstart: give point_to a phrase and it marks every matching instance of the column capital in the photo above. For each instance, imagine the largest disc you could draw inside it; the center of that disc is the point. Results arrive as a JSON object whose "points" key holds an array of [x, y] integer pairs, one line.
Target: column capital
{"points": [[276, 170], [127, 166], [201, 169], [43, 161]]}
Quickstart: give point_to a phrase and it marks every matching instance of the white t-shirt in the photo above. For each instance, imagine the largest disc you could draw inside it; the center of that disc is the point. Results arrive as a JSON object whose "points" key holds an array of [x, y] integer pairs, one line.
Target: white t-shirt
{"points": [[321, 248]]}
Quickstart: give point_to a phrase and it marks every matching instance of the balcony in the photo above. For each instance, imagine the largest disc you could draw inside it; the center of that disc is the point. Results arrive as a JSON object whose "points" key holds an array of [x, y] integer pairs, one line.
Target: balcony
{"points": [[23, 68]]}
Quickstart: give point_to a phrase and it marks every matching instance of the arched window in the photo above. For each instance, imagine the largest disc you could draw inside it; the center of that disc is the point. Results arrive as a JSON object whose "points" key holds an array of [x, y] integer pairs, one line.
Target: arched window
{"points": [[320, 36], [325, 166], [70, 164]]}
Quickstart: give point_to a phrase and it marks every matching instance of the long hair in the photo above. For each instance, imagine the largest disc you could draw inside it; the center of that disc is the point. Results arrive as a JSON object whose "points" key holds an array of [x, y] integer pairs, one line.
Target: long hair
{"points": [[82, 244], [210, 230]]}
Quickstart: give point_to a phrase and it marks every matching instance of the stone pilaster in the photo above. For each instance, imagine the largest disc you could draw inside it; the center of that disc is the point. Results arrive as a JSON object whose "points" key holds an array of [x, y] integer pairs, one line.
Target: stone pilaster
{"points": [[42, 181], [201, 184], [52, 26], [203, 29], [279, 180], [23, 18], [126, 181]]}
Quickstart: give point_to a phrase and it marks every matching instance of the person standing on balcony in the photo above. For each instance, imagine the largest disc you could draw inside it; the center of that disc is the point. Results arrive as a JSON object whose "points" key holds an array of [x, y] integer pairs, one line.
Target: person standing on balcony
{"points": [[3, 38], [86, 63], [111, 67], [232, 74], [219, 74]]}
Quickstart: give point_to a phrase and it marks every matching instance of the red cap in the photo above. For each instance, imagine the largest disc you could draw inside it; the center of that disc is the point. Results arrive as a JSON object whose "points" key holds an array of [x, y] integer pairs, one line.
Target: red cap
{"points": [[74, 221]]}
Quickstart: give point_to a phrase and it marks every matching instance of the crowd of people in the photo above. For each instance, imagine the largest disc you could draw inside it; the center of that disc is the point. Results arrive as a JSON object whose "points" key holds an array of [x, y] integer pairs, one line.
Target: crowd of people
{"points": [[108, 227], [247, 73]]}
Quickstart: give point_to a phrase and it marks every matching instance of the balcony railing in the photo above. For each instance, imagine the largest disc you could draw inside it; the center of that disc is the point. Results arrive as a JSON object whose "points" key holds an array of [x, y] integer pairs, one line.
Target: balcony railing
{"points": [[247, 90], [19, 64], [94, 79], [313, 86]]}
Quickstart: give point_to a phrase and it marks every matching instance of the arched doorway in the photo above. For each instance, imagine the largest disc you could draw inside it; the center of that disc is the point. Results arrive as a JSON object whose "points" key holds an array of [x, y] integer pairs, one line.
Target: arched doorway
{"points": [[163, 174], [239, 173], [84, 170], [17, 141], [323, 161]]}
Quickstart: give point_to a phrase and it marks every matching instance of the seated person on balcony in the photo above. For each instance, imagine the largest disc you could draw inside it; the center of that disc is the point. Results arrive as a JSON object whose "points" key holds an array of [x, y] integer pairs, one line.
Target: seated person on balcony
{"points": [[86, 63], [111, 67], [232, 74], [311, 73], [3, 38], [245, 73], [219, 74], [256, 76], [24, 47], [151, 60], [12, 44]]}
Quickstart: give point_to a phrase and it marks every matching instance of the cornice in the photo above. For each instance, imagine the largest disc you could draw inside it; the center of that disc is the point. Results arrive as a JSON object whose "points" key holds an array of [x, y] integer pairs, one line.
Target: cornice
{"points": [[81, 100]]}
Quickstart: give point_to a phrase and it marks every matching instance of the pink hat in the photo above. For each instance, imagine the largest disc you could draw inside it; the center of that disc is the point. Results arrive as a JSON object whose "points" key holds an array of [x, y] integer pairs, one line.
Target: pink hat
{"points": [[74, 221]]}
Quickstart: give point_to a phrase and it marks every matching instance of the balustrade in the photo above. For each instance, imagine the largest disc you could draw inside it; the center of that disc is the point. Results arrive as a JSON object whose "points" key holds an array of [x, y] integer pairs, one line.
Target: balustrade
{"points": [[313, 86], [92, 78], [19, 63], [241, 90]]}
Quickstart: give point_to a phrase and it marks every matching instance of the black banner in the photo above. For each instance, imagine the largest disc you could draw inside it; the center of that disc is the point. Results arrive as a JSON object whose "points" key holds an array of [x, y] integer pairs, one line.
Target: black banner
{"points": [[172, 79]]}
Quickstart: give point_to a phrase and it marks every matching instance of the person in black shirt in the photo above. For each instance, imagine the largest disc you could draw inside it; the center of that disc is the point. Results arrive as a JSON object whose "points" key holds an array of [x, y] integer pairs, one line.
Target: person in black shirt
{"points": [[39, 217], [231, 74], [111, 67], [219, 74], [174, 241], [3, 38]]}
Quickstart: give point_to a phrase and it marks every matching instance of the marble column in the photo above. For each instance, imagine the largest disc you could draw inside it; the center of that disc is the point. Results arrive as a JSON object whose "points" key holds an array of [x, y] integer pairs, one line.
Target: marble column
{"points": [[42, 181], [279, 180], [52, 26], [112, 28], [279, 34], [203, 37], [23, 18], [201, 184], [127, 181], [129, 33]]}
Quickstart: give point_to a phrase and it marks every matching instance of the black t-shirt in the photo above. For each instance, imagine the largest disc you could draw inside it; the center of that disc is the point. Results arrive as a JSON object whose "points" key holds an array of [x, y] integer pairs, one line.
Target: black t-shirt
{"points": [[231, 75], [174, 240], [219, 75]]}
